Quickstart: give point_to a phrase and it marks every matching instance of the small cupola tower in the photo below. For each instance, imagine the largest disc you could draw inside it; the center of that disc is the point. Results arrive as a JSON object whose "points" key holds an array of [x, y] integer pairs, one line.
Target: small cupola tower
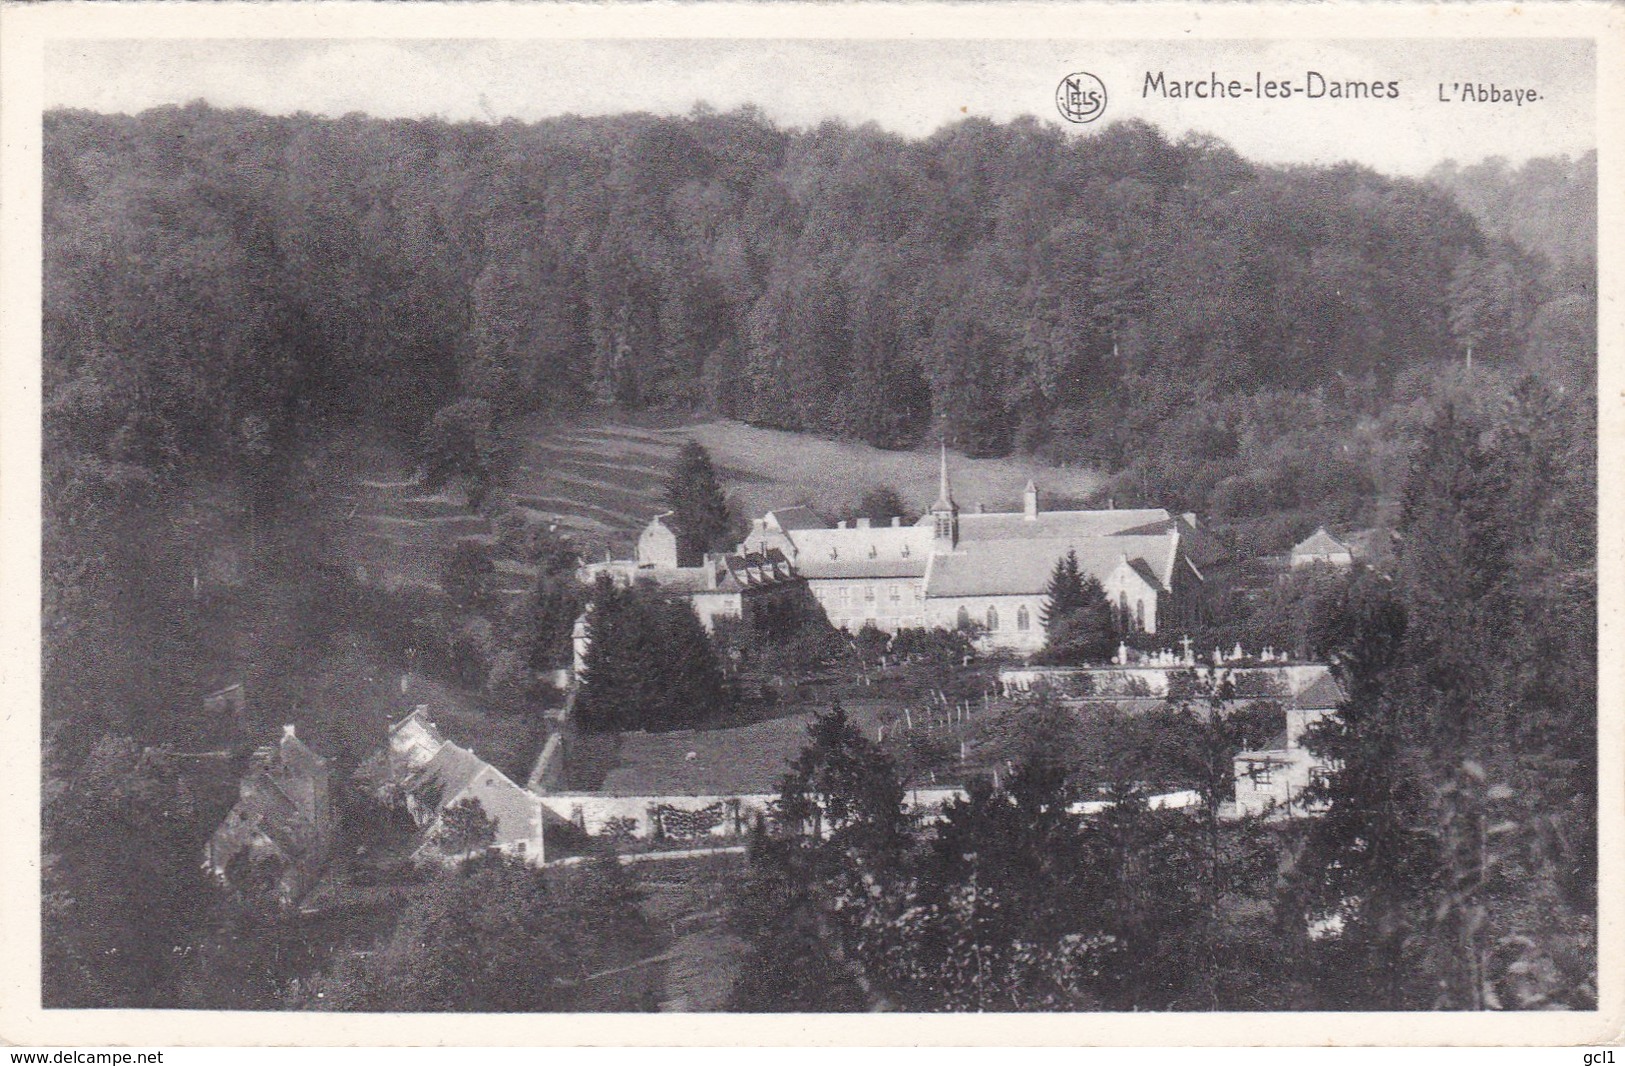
{"points": [[945, 513], [1029, 502]]}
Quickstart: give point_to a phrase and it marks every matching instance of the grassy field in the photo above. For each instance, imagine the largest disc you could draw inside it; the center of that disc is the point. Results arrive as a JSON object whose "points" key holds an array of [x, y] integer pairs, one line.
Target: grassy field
{"points": [[602, 476], [743, 759]]}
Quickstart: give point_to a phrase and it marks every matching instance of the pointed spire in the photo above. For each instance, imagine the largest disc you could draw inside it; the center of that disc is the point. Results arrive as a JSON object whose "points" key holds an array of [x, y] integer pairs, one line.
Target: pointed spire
{"points": [[945, 510], [945, 496]]}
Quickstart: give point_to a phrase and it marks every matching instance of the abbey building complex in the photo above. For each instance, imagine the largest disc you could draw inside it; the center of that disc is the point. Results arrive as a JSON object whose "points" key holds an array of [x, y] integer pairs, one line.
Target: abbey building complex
{"points": [[950, 569]]}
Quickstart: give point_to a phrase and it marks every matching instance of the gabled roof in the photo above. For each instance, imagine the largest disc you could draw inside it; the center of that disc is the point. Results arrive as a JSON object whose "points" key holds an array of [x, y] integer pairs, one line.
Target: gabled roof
{"points": [[1321, 542], [798, 517], [420, 715], [1324, 695], [450, 771], [515, 811], [1063, 525], [296, 757], [1022, 567]]}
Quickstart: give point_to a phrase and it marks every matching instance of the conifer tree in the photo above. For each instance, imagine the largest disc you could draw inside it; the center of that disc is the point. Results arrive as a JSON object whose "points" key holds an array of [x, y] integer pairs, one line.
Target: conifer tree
{"points": [[648, 664], [1065, 593], [699, 510], [1078, 622]]}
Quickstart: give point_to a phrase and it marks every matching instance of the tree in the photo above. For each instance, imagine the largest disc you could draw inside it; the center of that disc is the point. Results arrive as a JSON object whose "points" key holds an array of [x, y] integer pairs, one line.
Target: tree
{"points": [[460, 442], [1064, 596], [493, 935], [465, 829], [842, 785], [699, 510], [1079, 625], [880, 504], [466, 574], [122, 837], [1368, 865], [648, 663]]}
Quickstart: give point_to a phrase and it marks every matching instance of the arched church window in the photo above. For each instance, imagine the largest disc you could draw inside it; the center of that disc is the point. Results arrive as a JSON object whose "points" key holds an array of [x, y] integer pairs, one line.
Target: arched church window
{"points": [[1139, 615], [993, 618], [964, 618], [1023, 619]]}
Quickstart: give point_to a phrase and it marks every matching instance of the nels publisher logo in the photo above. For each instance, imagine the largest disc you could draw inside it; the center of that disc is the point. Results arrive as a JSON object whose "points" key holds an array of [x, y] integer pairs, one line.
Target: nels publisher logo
{"points": [[1081, 97]]}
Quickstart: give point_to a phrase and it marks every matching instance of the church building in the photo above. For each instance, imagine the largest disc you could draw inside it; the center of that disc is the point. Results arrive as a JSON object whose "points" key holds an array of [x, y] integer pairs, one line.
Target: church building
{"points": [[990, 570]]}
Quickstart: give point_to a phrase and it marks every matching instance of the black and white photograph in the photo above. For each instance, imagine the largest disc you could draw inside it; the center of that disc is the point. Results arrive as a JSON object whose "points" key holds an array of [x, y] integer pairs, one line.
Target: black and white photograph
{"points": [[976, 519]]}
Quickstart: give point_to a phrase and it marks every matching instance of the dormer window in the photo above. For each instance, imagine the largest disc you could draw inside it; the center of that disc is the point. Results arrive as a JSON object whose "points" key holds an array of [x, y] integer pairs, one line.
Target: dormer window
{"points": [[906, 551], [873, 551], [835, 553]]}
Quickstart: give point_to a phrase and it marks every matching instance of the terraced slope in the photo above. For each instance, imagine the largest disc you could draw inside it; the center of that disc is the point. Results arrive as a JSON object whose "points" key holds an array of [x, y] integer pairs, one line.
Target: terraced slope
{"points": [[383, 523], [602, 477]]}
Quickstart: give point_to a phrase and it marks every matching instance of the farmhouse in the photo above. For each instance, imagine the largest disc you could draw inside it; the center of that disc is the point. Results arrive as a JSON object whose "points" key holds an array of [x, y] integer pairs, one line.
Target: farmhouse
{"points": [[283, 817], [434, 775], [1271, 781], [986, 569]]}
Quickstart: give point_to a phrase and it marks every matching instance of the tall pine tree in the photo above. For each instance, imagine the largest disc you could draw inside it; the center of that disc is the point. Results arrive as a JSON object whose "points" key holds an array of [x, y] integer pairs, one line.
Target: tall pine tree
{"points": [[699, 510], [1078, 622], [648, 663]]}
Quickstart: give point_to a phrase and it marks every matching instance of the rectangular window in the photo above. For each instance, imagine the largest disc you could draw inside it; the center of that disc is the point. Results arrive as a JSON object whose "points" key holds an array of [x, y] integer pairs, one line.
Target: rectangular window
{"points": [[1262, 774], [896, 594], [868, 594]]}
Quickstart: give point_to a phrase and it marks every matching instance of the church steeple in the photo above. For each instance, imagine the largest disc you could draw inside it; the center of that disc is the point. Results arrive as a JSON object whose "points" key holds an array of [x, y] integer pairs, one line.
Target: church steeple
{"points": [[945, 513]]}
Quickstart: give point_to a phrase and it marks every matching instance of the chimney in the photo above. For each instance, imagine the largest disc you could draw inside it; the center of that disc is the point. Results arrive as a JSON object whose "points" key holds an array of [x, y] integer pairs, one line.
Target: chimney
{"points": [[288, 733], [981, 508], [841, 524], [863, 523], [1029, 502], [896, 521]]}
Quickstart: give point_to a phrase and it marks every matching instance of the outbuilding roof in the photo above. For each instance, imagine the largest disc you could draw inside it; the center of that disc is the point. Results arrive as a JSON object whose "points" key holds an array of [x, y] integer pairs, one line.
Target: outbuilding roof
{"points": [[1321, 542], [1324, 695]]}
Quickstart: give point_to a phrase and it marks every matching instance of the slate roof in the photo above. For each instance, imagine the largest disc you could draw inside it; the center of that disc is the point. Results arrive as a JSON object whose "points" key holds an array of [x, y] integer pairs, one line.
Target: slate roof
{"points": [[733, 573], [264, 807], [831, 569], [1321, 542], [296, 758], [1324, 695], [450, 771], [513, 809], [1022, 566], [798, 517], [1062, 525], [898, 551]]}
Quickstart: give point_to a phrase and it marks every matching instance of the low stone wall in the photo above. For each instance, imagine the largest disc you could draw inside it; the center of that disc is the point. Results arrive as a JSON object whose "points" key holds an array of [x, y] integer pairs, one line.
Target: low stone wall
{"points": [[1288, 679], [643, 816]]}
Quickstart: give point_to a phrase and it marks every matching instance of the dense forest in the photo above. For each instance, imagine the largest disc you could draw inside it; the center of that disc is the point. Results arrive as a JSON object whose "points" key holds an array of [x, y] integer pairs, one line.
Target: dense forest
{"points": [[1272, 347]]}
